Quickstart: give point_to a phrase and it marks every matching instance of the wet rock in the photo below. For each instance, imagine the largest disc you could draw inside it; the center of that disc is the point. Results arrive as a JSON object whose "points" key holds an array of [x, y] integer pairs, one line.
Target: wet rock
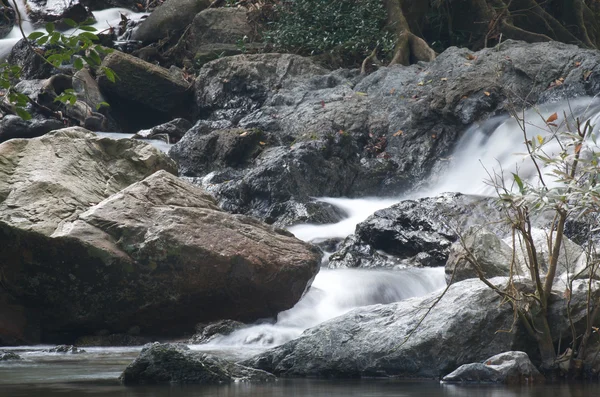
{"points": [[234, 86], [512, 367], [171, 132], [175, 363], [372, 340], [171, 18], [145, 95], [111, 340], [493, 256], [8, 17], [95, 5], [206, 332], [413, 232], [40, 11], [66, 349], [9, 356], [31, 63], [15, 127]]}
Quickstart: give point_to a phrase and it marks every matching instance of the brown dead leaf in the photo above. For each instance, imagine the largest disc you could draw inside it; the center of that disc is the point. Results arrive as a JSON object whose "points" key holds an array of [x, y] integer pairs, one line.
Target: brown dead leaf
{"points": [[486, 93], [444, 79], [577, 64], [392, 91], [433, 136], [552, 118], [244, 133], [464, 97], [262, 143], [557, 82], [398, 133], [471, 57]]}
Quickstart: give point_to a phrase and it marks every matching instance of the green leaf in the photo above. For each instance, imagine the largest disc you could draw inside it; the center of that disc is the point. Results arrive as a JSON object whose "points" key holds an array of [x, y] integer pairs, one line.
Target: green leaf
{"points": [[102, 104], [70, 22], [42, 40], [88, 36], [50, 27], [88, 28], [519, 183], [35, 35], [110, 74], [78, 63], [22, 113]]}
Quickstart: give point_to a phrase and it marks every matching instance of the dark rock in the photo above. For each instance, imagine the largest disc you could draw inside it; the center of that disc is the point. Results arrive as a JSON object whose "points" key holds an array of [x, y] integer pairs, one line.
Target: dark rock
{"points": [[8, 17], [232, 87], [372, 341], [176, 363], [32, 65], [206, 332], [493, 255], [66, 349], [18, 325], [9, 356], [15, 127], [145, 94], [174, 130], [414, 232], [171, 18], [510, 367], [40, 11], [96, 5]]}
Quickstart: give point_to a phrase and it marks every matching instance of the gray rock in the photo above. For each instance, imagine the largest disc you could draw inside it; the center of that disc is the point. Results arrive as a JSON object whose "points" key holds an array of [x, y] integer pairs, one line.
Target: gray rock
{"points": [[111, 340], [145, 94], [512, 367], [9, 356], [171, 18], [492, 254], [173, 131], [206, 332], [12, 127], [40, 11], [372, 341], [175, 363], [66, 349], [32, 65], [8, 17]]}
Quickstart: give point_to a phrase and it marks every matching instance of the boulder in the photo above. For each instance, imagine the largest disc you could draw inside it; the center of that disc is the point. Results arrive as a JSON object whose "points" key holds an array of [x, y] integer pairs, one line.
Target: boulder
{"points": [[111, 340], [8, 17], [96, 5], [31, 63], [84, 170], [492, 254], [65, 349], [12, 127], [512, 367], [414, 232], [206, 332], [235, 86], [170, 18], [159, 255], [379, 341], [170, 132], [176, 363], [145, 95]]}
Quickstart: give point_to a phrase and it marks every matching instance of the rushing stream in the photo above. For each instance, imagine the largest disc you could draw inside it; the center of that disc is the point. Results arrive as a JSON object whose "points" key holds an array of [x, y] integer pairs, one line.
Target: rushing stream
{"points": [[333, 293]]}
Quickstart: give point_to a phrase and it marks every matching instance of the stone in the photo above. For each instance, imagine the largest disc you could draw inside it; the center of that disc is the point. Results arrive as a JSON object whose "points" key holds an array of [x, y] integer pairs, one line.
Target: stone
{"points": [[378, 340], [111, 340], [66, 349], [12, 127], [206, 332], [511, 367], [170, 18], [145, 95], [32, 64], [172, 131], [176, 363], [41, 11], [9, 356], [493, 255], [8, 17]]}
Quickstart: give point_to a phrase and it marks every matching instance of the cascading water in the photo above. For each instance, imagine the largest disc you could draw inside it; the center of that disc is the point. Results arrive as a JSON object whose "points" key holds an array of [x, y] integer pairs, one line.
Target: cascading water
{"points": [[494, 145]]}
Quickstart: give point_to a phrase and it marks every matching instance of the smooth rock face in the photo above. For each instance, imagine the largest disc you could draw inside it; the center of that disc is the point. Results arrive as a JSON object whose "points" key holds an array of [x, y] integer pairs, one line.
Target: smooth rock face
{"points": [[159, 255], [145, 94], [512, 367], [492, 254], [51, 179], [12, 126], [413, 232], [371, 341], [170, 18], [176, 363]]}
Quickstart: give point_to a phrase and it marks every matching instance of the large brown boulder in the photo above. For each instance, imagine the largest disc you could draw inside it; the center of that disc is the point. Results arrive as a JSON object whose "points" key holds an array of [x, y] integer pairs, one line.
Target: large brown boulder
{"points": [[159, 255]]}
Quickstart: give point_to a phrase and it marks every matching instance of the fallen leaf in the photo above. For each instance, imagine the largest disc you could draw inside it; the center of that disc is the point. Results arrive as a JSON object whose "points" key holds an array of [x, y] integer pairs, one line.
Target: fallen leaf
{"points": [[577, 64], [341, 132], [578, 149], [433, 136], [587, 74], [398, 133], [558, 82], [262, 143], [552, 118], [486, 93], [464, 97], [392, 91], [467, 64], [244, 133], [322, 103], [361, 93], [444, 79], [471, 57], [421, 83]]}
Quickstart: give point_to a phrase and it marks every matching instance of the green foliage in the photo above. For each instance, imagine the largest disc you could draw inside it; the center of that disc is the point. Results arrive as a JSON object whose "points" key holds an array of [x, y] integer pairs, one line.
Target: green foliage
{"points": [[347, 28], [79, 48]]}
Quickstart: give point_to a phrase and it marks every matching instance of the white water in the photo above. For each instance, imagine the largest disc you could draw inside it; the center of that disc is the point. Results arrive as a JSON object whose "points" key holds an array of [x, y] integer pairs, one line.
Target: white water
{"points": [[157, 143], [105, 19]]}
